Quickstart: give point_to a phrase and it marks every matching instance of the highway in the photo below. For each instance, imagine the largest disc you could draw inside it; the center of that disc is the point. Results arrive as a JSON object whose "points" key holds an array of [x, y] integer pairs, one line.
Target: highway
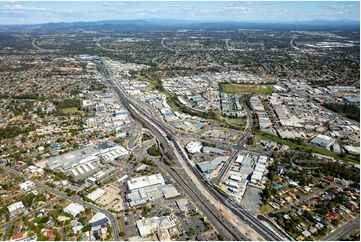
{"points": [[77, 199], [204, 191], [221, 224], [293, 45], [33, 43], [344, 230]]}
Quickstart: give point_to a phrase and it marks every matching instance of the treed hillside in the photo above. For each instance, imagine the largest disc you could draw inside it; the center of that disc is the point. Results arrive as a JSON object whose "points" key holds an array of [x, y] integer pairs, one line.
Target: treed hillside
{"points": [[348, 110]]}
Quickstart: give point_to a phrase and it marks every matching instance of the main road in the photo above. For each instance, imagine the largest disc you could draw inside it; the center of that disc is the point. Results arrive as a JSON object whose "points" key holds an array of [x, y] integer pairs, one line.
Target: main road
{"points": [[224, 213], [241, 144], [215, 217], [344, 230]]}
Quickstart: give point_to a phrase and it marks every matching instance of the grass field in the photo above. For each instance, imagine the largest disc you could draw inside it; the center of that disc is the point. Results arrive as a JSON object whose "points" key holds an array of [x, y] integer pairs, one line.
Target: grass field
{"points": [[153, 83], [70, 111], [236, 123], [245, 88], [305, 147], [265, 209]]}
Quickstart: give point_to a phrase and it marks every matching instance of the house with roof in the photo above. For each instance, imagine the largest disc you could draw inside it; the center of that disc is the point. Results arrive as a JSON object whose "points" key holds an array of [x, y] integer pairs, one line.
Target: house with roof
{"points": [[16, 209]]}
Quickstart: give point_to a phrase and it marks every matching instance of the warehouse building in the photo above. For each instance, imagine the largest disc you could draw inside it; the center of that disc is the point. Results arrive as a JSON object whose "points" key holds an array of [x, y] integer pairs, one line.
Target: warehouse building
{"points": [[145, 181], [322, 141], [208, 167], [85, 160], [147, 188]]}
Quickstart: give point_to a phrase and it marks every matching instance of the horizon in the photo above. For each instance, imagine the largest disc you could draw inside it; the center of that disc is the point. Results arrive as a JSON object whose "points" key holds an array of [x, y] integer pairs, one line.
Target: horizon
{"points": [[27, 13]]}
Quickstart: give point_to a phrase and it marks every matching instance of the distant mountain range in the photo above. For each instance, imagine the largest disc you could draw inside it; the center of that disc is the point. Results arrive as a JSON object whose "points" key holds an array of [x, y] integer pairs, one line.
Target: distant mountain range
{"points": [[161, 24]]}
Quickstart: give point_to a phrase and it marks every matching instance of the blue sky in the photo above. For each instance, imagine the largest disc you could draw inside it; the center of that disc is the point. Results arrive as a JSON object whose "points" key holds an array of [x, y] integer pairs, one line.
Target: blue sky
{"points": [[16, 12]]}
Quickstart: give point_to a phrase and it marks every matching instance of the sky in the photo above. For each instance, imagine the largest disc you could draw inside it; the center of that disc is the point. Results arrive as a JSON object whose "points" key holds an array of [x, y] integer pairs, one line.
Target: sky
{"points": [[20, 12]]}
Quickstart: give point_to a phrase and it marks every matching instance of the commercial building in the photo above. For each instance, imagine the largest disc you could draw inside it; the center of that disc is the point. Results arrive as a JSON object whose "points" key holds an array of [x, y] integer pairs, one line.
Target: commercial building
{"points": [[145, 181], [182, 205], [256, 177], [156, 224]]}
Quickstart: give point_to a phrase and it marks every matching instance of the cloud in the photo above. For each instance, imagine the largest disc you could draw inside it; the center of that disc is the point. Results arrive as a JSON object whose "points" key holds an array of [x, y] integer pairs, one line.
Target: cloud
{"points": [[19, 7]]}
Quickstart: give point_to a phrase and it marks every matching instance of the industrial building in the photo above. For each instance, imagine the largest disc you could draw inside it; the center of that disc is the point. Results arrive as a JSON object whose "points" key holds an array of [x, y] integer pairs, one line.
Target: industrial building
{"points": [[145, 181], [85, 160], [322, 141], [147, 188], [208, 167]]}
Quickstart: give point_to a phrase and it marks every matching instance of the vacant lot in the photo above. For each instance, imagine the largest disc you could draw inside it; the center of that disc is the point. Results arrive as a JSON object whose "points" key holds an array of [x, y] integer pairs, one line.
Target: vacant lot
{"points": [[245, 88]]}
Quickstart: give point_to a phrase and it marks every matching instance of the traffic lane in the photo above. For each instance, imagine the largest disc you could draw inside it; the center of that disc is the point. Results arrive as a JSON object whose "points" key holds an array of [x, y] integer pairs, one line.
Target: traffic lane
{"points": [[165, 130], [222, 229]]}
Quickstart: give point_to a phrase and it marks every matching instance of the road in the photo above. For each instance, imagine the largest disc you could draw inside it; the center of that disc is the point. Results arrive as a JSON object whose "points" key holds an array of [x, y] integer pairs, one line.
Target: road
{"points": [[221, 224], [292, 45], [102, 47], [344, 230], [275, 226], [33, 43], [241, 144], [209, 198], [166, 47], [75, 198]]}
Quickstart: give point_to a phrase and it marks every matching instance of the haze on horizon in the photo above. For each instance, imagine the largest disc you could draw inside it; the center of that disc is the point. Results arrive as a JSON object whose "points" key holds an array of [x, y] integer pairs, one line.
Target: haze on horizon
{"points": [[282, 11]]}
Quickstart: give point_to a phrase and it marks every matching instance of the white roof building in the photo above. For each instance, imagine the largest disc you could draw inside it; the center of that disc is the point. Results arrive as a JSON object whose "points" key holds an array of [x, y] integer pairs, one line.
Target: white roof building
{"points": [[256, 177], [74, 209], [262, 160], [353, 150], [240, 159], [26, 186], [235, 178], [145, 181], [259, 167], [96, 194], [194, 147], [322, 141], [98, 220], [16, 208], [114, 153], [232, 184], [147, 226]]}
